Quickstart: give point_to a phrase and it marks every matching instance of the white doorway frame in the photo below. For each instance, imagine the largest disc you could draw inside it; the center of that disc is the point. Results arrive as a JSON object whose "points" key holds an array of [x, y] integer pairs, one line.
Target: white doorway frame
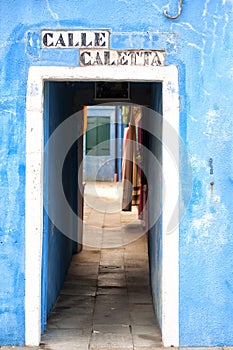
{"points": [[168, 75]]}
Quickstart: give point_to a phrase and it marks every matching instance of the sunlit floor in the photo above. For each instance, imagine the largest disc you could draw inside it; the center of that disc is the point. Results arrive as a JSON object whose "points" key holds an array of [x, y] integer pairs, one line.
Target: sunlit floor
{"points": [[105, 302]]}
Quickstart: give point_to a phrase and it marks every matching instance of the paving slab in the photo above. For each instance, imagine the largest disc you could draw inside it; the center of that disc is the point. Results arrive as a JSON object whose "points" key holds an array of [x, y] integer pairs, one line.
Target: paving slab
{"points": [[81, 290], [111, 257], [145, 290], [142, 315], [67, 346], [111, 337], [117, 299], [86, 258], [76, 300], [146, 336], [111, 315], [111, 268], [58, 335], [112, 279], [139, 298], [67, 320], [57, 339], [90, 280], [110, 291], [112, 243]]}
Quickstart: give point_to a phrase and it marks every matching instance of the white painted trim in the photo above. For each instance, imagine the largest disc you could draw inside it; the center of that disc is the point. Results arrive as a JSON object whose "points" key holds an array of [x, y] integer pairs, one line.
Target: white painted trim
{"points": [[170, 217], [34, 186]]}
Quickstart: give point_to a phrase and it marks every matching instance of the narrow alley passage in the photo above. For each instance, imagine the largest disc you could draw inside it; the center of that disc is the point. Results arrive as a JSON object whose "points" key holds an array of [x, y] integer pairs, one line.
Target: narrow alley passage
{"points": [[105, 302]]}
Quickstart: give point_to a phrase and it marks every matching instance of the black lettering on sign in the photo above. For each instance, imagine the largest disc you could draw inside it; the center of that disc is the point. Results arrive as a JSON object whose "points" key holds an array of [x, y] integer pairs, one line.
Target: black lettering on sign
{"points": [[97, 59], [123, 58], [60, 41], [84, 41], [75, 39], [106, 57], [70, 39], [100, 39], [46, 40], [85, 58], [156, 60], [132, 55], [147, 56]]}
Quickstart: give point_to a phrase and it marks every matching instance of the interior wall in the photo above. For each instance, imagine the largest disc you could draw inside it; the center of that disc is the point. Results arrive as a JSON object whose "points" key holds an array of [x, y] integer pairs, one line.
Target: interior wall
{"points": [[57, 248], [152, 122]]}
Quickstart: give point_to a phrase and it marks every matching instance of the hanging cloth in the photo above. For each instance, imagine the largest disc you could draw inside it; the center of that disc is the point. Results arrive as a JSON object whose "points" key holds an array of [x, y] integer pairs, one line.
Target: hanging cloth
{"points": [[129, 152]]}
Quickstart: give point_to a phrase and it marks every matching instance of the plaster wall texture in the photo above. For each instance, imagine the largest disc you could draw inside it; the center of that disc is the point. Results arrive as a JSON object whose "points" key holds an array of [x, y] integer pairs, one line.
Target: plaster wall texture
{"points": [[57, 249], [199, 43]]}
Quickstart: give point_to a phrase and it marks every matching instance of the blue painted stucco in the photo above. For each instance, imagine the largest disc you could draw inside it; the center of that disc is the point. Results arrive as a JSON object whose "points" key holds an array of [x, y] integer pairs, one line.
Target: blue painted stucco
{"points": [[152, 141], [199, 43], [57, 248]]}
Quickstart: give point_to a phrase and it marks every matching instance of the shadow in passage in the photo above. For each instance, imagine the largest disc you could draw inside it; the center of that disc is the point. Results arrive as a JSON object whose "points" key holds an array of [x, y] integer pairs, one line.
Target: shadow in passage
{"points": [[106, 299]]}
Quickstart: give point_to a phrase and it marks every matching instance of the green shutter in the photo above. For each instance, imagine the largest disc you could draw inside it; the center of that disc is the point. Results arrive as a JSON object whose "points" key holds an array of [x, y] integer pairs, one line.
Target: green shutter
{"points": [[98, 136], [103, 136], [91, 136]]}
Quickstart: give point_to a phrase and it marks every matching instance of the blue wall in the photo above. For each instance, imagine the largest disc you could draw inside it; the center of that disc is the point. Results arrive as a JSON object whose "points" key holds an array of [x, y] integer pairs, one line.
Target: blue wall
{"points": [[57, 248], [153, 123], [199, 42]]}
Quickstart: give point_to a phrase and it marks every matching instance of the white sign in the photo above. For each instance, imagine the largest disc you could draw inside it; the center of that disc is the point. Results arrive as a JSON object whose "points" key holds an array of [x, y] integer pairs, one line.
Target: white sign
{"points": [[121, 57], [73, 39]]}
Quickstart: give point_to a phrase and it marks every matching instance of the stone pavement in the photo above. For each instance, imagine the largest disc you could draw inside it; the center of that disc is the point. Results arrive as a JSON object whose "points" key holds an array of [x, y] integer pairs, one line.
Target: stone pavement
{"points": [[105, 302]]}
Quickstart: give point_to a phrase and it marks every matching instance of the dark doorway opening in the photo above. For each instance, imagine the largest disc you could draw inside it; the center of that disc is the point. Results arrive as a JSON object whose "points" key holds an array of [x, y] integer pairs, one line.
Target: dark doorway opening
{"points": [[63, 99]]}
